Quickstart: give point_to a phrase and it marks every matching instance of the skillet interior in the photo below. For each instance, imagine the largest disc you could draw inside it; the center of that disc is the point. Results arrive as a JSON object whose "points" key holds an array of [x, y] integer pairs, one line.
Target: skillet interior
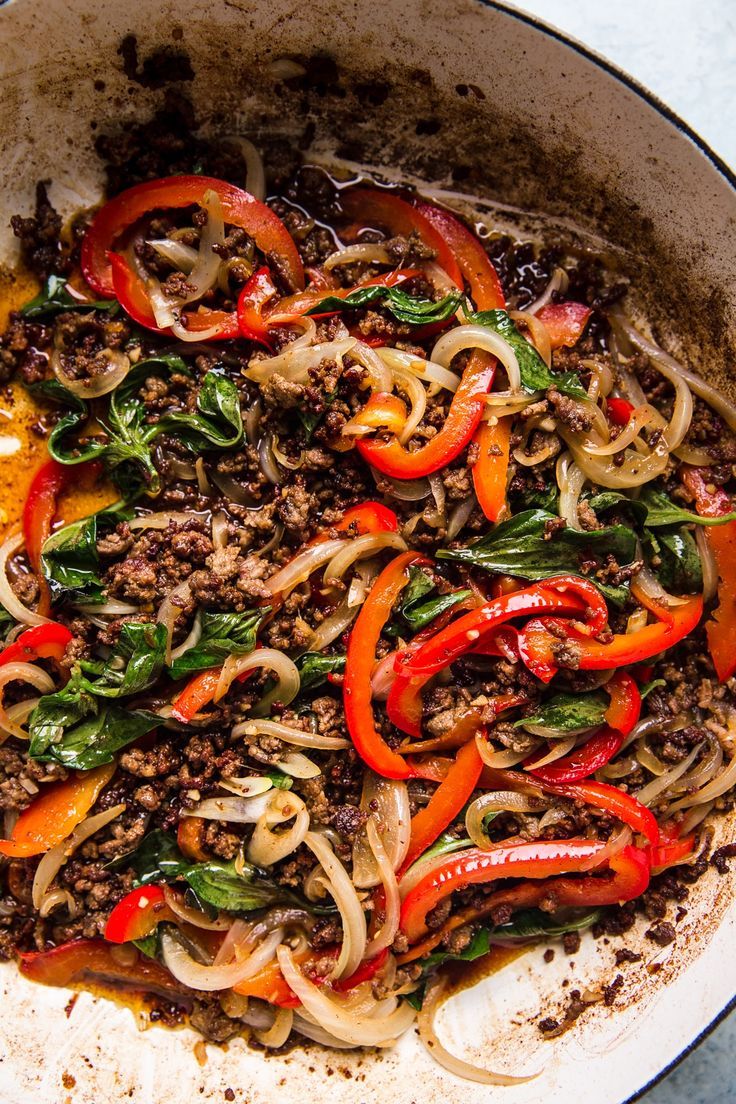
{"points": [[470, 97]]}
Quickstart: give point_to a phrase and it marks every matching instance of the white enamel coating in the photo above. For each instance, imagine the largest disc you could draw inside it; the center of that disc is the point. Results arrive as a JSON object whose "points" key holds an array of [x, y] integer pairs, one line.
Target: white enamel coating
{"points": [[541, 125]]}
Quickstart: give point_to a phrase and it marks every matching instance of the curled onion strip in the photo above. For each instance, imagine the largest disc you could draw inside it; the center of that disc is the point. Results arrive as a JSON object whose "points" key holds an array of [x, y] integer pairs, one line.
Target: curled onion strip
{"points": [[182, 257], [570, 480], [499, 802], [191, 639], [297, 736], [162, 519], [716, 788], [20, 672], [279, 1031], [428, 1034], [392, 907], [380, 376], [255, 175], [93, 386], [417, 396], [353, 550], [194, 916], [426, 370], [204, 274], [460, 515], [558, 283], [303, 565], [364, 252], [8, 597], [340, 1021], [286, 688], [477, 337], [648, 794], [234, 810], [342, 890], [170, 611], [538, 333], [267, 847], [334, 625], [294, 362], [500, 759], [387, 801], [53, 860], [298, 765], [210, 979], [708, 563]]}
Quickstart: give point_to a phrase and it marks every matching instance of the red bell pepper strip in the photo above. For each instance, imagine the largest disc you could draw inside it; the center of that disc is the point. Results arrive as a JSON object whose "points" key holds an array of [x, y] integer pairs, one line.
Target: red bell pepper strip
{"points": [[466, 726], [361, 659], [84, 960], [197, 693], [374, 207], [55, 813], [364, 972], [540, 859], [382, 411], [566, 594], [257, 291], [490, 470], [269, 984], [537, 643], [47, 641], [190, 838], [564, 322], [368, 517], [584, 760], [670, 853], [138, 914], [468, 403], [40, 508], [722, 540], [619, 410], [621, 805], [173, 192], [446, 802], [473, 261], [625, 707]]}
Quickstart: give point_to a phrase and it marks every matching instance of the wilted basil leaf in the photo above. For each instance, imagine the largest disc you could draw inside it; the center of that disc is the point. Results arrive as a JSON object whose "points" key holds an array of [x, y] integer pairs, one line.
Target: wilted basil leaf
{"points": [[55, 298], [223, 634], [535, 375], [564, 713]]}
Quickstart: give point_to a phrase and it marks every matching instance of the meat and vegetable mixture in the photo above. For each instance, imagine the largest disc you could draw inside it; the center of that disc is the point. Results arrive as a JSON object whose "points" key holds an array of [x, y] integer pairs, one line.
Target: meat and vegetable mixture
{"points": [[402, 625]]}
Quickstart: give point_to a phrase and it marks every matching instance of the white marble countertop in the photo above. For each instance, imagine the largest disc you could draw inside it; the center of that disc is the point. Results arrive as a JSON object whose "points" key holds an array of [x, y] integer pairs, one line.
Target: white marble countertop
{"points": [[685, 52]]}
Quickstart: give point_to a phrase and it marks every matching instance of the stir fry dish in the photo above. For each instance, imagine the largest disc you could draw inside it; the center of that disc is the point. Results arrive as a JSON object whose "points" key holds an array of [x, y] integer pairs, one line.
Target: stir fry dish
{"points": [[371, 602]]}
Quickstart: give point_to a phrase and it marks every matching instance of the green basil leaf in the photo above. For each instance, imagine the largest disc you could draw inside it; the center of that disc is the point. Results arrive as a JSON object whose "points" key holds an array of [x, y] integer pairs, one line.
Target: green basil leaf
{"points": [[218, 423], [280, 780], [535, 375], [608, 500], [517, 547], [647, 688], [410, 309], [220, 885], [157, 858], [6, 621], [55, 298], [444, 845], [69, 558], [564, 713], [148, 946], [73, 728], [223, 634], [679, 567], [135, 662], [661, 510], [419, 614], [314, 668], [546, 499]]}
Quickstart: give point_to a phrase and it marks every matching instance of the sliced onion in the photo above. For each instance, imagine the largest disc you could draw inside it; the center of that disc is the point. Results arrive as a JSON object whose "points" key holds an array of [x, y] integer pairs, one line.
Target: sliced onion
{"points": [[191, 639], [366, 545], [303, 565], [53, 899], [194, 916], [364, 253], [170, 611], [342, 890], [438, 494], [267, 847], [478, 337], [428, 1034], [716, 788], [333, 626], [387, 801], [182, 257], [500, 759], [52, 862], [8, 597], [249, 786], [289, 735], [708, 563], [294, 363], [648, 794], [210, 979], [163, 519], [234, 810], [287, 686], [111, 608], [358, 1030], [459, 516], [498, 802], [392, 901], [558, 283], [417, 396], [204, 274], [538, 334], [95, 386], [304, 1025], [298, 765], [383, 677], [710, 763], [255, 176], [279, 1031], [426, 370], [646, 583], [267, 460], [614, 846], [406, 490], [21, 672], [697, 814], [380, 376]]}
